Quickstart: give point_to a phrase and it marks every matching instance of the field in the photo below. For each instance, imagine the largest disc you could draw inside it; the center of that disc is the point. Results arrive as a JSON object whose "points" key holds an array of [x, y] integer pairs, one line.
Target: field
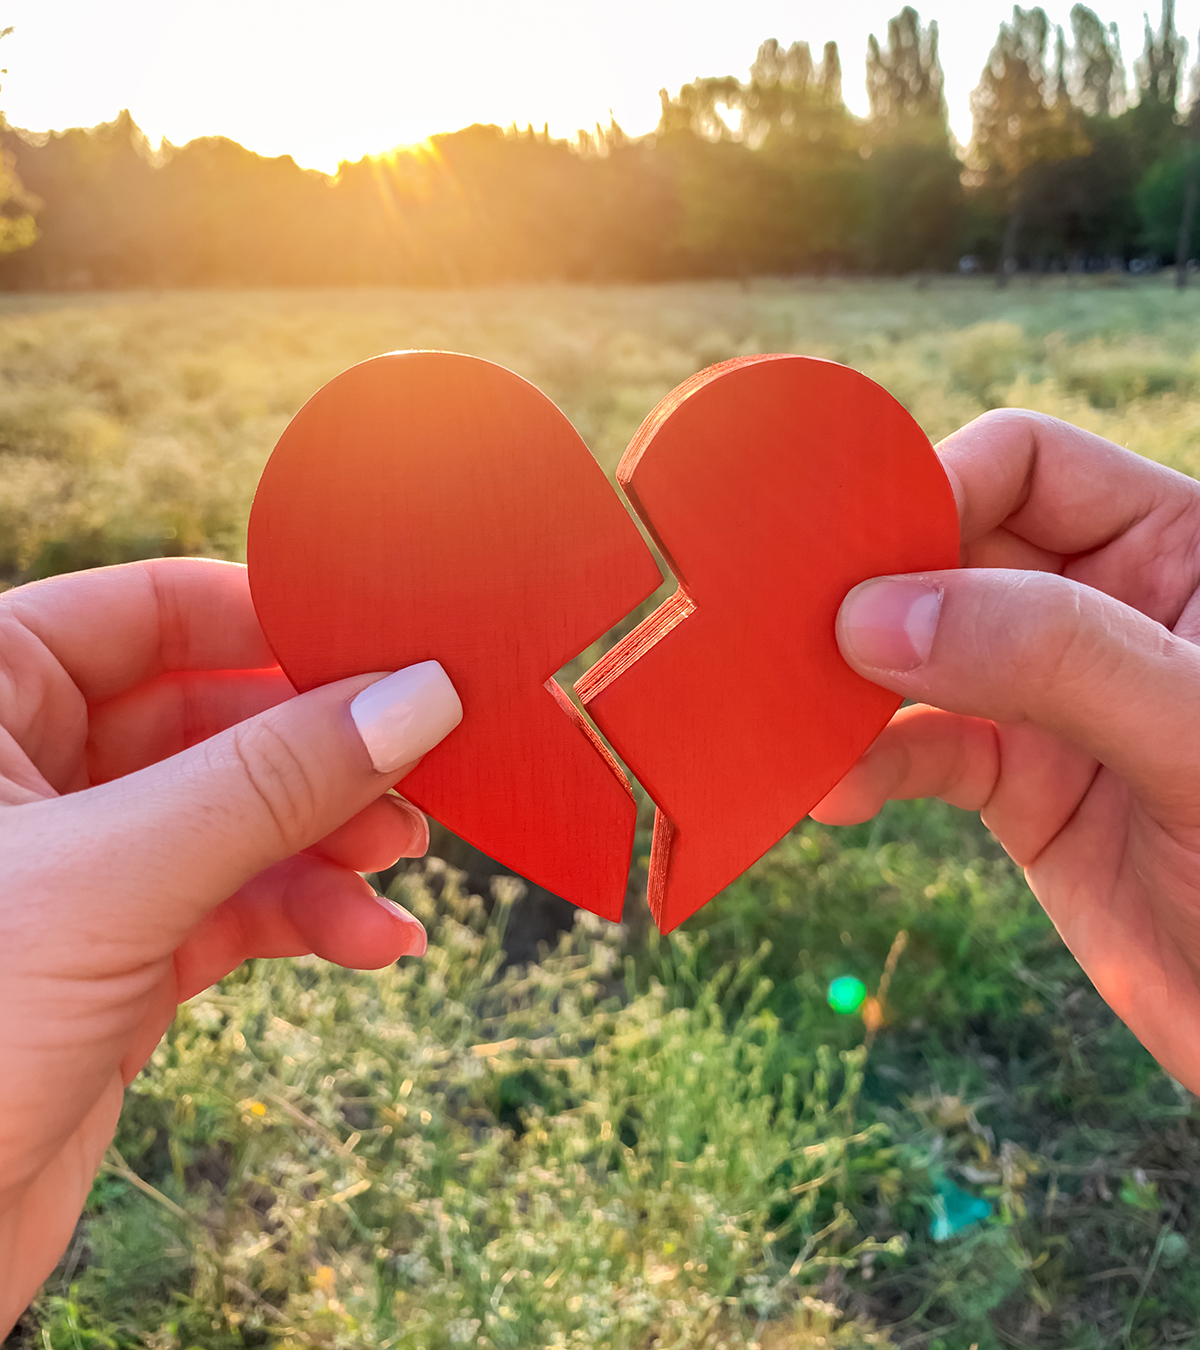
{"points": [[632, 1142]]}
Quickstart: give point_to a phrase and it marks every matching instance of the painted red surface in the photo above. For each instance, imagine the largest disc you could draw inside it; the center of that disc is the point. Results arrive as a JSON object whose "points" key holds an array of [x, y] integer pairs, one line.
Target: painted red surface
{"points": [[431, 506], [771, 486], [426, 506]]}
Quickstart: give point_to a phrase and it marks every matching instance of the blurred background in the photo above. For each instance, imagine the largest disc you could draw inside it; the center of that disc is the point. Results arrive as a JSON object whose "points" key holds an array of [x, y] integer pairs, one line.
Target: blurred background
{"points": [[1060, 156], [864, 1097]]}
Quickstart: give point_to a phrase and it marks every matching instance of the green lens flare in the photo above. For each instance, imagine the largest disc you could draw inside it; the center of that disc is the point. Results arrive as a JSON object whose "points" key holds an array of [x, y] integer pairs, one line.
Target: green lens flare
{"points": [[846, 994]]}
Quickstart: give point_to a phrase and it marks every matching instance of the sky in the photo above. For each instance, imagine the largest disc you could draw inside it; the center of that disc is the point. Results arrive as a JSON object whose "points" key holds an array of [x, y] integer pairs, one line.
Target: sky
{"points": [[332, 81]]}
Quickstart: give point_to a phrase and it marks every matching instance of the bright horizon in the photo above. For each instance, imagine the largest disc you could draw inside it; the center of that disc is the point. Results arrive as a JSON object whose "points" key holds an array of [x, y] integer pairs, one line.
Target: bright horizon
{"points": [[323, 85]]}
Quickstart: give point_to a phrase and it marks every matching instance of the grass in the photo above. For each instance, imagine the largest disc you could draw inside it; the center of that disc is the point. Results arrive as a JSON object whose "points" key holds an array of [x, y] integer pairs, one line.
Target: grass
{"points": [[138, 424], [636, 1142]]}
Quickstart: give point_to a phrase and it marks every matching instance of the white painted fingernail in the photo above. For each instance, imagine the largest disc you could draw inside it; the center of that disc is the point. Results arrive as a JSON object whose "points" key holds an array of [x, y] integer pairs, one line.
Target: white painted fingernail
{"points": [[404, 715], [416, 940], [420, 844]]}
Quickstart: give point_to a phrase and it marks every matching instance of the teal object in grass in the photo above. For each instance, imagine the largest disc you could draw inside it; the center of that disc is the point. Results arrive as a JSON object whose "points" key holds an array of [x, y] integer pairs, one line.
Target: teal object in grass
{"points": [[955, 1209], [846, 994]]}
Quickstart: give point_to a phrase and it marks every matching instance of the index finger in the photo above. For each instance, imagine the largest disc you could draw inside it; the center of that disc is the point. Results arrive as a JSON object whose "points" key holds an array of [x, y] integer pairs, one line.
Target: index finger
{"points": [[1059, 488], [115, 627]]}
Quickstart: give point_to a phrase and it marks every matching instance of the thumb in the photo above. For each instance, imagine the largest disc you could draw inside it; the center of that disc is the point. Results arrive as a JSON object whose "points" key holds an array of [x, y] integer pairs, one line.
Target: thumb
{"points": [[1017, 646], [177, 838]]}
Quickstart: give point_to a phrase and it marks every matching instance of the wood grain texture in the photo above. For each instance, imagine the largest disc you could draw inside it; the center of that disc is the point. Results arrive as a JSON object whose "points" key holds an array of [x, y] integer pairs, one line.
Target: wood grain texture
{"points": [[771, 485], [425, 505]]}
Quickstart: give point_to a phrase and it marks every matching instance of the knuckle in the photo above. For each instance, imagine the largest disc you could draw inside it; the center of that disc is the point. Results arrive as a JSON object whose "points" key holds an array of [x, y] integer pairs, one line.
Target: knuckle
{"points": [[1004, 417], [279, 780], [1012, 423], [1071, 647], [1061, 647]]}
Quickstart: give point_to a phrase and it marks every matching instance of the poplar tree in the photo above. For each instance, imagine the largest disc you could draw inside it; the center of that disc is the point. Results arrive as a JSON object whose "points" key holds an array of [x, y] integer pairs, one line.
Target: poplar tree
{"points": [[912, 165], [1022, 121], [1096, 72]]}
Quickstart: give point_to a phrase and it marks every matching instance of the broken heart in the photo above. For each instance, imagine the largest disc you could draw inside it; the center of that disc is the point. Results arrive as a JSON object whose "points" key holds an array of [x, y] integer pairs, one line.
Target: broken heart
{"points": [[425, 505]]}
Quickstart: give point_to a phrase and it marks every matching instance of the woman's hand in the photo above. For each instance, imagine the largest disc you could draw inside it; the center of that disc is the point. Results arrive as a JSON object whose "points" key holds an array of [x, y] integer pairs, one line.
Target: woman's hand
{"points": [[168, 808], [1066, 662]]}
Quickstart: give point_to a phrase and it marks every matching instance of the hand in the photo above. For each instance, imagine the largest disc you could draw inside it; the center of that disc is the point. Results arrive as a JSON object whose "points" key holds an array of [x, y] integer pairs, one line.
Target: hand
{"points": [[1066, 662], [168, 808]]}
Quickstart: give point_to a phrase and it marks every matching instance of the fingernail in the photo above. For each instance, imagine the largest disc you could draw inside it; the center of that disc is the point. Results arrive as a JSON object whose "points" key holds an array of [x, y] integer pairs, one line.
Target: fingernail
{"points": [[420, 846], [889, 623], [404, 715], [416, 940]]}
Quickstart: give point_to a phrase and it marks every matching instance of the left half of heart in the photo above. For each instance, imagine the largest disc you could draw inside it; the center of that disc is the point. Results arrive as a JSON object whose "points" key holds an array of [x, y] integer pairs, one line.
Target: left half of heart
{"points": [[431, 506]]}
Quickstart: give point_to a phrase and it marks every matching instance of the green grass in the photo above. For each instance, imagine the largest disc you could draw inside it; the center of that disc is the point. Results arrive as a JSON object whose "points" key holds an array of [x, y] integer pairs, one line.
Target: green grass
{"points": [[637, 1142]]}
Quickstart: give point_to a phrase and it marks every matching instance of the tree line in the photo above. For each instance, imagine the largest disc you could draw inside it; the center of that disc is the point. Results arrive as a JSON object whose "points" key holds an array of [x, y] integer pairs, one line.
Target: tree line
{"points": [[1072, 165]]}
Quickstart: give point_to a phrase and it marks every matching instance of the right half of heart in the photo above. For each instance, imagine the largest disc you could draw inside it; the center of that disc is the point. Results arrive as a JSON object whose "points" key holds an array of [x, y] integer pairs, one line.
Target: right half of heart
{"points": [[772, 485]]}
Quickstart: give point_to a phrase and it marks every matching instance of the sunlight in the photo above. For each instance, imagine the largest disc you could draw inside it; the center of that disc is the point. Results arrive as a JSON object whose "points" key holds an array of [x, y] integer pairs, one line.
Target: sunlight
{"points": [[296, 79]]}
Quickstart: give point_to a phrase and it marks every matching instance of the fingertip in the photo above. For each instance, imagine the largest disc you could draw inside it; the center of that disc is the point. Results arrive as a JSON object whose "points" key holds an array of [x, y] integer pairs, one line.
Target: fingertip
{"points": [[833, 814], [886, 625], [305, 904], [851, 801], [405, 714], [411, 931], [381, 834], [354, 927], [418, 824]]}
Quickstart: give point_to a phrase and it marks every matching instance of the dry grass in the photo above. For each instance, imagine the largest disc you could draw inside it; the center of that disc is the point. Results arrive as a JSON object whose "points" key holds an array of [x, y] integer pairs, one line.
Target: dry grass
{"points": [[132, 425]]}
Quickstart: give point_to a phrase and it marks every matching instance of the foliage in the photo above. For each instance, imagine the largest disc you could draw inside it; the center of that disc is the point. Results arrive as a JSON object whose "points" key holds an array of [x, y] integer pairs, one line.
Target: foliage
{"points": [[905, 83], [18, 228], [1097, 72], [766, 174], [914, 215], [1158, 70], [442, 1155], [1160, 199], [17, 207], [1020, 120], [618, 1144]]}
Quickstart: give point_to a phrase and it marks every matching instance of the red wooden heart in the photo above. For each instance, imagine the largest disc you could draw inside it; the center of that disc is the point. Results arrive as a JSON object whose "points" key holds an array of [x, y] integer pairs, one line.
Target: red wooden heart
{"points": [[425, 505]]}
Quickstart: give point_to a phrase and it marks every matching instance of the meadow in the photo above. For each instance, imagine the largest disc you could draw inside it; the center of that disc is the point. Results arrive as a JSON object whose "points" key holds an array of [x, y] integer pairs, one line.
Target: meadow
{"points": [[632, 1142]]}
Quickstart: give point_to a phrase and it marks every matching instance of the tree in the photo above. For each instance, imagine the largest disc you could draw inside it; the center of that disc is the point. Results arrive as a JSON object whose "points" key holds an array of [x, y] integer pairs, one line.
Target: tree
{"points": [[1191, 185], [790, 95], [1081, 206], [1022, 122], [1167, 144], [1158, 70], [18, 228], [99, 220], [810, 144], [1161, 60], [905, 83], [1097, 73], [1162, 201], [913, 169], [697, 109], [769, 171]]}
